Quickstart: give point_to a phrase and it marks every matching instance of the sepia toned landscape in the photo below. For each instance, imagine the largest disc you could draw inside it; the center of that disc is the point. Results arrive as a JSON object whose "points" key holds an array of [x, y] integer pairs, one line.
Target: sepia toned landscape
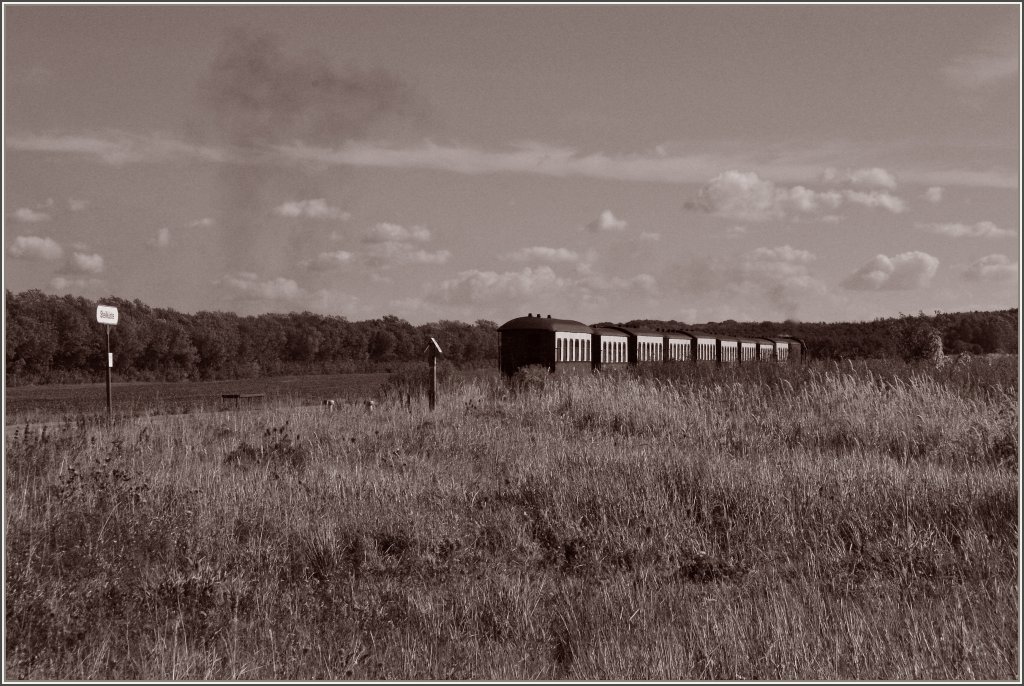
{"points": [[511, 343], [828, 521]]}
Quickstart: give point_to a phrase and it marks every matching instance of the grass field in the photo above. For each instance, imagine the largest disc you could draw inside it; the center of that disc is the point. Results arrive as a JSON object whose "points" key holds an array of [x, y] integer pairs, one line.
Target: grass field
{"points": [[803, 523]]}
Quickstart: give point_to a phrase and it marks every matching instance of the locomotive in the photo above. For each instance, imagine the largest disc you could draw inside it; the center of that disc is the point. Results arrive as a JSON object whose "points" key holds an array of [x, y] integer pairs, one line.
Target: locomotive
{"points": [[567, 346]]}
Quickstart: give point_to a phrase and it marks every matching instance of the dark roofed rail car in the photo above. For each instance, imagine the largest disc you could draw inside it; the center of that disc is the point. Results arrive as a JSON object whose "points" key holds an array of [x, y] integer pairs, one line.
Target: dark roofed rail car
{"points": [[611, 348], [561, 345]]}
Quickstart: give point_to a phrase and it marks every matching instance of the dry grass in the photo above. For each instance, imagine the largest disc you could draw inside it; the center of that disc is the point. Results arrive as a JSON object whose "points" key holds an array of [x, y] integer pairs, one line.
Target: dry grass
{"points": [[819, 523]]}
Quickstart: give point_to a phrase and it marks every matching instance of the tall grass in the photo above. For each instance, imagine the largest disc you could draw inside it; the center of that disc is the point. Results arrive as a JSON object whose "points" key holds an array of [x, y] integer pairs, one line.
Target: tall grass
{"points": [[823, 522]]}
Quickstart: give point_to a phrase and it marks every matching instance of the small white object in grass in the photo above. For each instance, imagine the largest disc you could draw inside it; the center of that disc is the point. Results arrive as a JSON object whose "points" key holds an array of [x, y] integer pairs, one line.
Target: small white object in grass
{"points": [[329, 405], [370, 405]]}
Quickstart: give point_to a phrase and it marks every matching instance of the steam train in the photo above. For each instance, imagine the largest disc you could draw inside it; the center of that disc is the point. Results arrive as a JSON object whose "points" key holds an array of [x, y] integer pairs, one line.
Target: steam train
{"points": [[567, 346]]}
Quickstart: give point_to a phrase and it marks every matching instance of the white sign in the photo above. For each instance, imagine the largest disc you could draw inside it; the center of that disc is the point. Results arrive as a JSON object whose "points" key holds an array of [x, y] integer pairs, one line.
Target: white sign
{"points": [[110, 360], [106, 314]]}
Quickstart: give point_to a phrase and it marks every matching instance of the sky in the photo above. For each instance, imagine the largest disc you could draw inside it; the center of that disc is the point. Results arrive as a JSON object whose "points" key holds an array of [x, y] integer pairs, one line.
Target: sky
{"points": [[592, 162]]}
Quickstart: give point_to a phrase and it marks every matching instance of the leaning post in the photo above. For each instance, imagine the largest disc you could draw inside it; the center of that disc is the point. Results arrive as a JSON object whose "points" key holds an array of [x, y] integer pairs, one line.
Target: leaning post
{"points": [[433, 351]]}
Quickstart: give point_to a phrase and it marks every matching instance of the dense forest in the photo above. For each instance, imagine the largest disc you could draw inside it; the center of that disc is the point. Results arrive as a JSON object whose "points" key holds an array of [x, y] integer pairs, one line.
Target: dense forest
{"points": [[56, 339]]}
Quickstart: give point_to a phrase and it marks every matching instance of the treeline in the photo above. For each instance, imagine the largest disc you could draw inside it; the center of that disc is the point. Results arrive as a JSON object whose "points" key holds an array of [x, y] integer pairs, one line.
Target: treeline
{"points": [[896, 337], [56, 339]]}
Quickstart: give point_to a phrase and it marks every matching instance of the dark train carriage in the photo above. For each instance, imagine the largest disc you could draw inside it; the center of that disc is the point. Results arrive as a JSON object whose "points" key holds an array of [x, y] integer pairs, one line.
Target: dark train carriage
{"points": [[611, 348], [747, 350], [679, 346], [797, 349], [561, 345], [644, 345], [705, 346], [728, 348], [765, 350]]}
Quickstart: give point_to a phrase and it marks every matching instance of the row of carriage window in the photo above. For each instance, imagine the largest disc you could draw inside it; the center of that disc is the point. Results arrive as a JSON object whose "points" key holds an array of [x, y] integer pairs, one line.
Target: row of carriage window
{"points": [[578, 350]]}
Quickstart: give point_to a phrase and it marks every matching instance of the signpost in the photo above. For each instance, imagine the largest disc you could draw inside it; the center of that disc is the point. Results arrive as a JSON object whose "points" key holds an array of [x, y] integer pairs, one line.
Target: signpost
{"points": [[433, 351], [108, 316]]}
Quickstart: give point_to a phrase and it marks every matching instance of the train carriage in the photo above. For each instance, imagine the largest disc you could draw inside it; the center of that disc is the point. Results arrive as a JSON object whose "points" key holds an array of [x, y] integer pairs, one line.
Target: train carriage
{"points": [[644, 345], [611, 348], [561, 345], [679, 346]]}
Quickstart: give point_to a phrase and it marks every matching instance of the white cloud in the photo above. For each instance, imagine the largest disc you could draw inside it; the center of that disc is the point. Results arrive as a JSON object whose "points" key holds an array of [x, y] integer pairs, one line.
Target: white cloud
{"points": [[869, 176], [82, 263], [27, 215], [543, 254], [327, 261], [248, 286], [76, 205], [607, 221], [906, 271], [992, 268], [385, 231], [744, 196], [396, 253], [881, 199], [650, 236], [36, 248], [978, 230], [316, 208], [476, 286], [933, 194], [203, 223]]}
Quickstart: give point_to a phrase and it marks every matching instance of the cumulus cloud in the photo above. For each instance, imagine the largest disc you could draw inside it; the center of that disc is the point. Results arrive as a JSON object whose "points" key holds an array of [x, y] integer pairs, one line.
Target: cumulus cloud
{"points": [[327, 261], [992, 268], [36, 248], [27, 215], [978, 230], [744, 196], [543, 254], [906, 271], [316, 208], [870, 176], [933, 194], [248, 286], [607, 221], [83, 263]]}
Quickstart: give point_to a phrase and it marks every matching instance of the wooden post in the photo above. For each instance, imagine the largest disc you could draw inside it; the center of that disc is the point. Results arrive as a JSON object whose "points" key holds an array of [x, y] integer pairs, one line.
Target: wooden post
{"points": [[433, 351], [109, 365]]}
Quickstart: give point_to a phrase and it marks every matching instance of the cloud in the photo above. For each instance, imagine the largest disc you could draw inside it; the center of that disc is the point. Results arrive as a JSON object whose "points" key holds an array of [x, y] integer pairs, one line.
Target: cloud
{"points": [[543, 254], [906, 271], [933, 194], [119, 148], [162, 238], [36, 248], [204, 223], [248, 286], [27, 215], [475, 286], [83, 263], [995, 62], [766, 279], [870, 176], [992, 268], [396, 253], [881, 199], [76, 205], [744, 196], [327, 261], [978, 230], [385, 231], [606, 221], [650, 236], [311, 209], [65, 283]]}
